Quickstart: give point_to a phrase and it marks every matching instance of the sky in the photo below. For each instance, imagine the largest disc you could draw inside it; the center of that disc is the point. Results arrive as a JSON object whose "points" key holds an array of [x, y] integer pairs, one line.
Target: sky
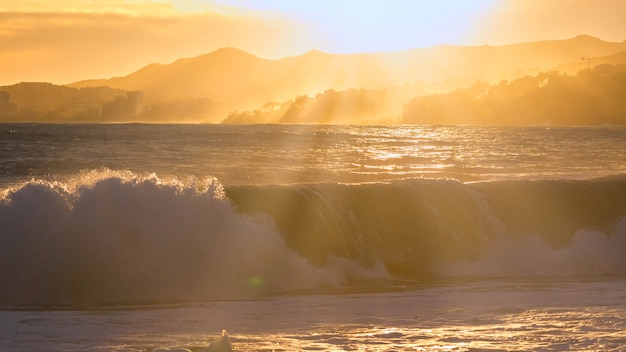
{"points": [[62, 41]]}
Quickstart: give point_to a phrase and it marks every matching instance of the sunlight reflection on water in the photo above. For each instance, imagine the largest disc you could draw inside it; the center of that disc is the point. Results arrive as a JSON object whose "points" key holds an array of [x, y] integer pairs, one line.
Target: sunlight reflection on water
{"points": [[292, 154], [486, 316]]}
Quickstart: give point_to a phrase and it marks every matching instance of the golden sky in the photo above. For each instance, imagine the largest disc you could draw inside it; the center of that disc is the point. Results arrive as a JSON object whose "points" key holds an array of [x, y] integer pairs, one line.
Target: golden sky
{"points": [[62, 41]]}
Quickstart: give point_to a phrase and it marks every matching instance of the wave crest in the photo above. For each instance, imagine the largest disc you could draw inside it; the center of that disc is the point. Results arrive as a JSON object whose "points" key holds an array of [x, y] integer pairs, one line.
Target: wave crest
{"points": [[126, 238], [589, 253], [417, 227]]}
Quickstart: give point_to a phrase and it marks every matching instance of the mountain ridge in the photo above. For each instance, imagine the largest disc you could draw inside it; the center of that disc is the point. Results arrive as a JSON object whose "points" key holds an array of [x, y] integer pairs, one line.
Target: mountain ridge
{"points": [[215, 86], [234, 77]]}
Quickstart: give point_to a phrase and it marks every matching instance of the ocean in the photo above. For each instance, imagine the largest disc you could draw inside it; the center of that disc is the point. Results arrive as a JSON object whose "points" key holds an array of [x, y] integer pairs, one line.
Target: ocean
{"points": [[136, 237]]}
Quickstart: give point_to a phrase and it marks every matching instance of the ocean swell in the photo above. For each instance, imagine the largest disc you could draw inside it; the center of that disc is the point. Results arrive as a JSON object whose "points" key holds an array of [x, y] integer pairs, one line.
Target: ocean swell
{"points": [[130, 239], [589, 253], [105, 237], [423, 228]]}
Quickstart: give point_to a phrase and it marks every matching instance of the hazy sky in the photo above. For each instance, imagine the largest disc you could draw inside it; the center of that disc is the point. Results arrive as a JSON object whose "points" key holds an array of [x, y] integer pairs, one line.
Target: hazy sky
{"points": [[62, 41]]}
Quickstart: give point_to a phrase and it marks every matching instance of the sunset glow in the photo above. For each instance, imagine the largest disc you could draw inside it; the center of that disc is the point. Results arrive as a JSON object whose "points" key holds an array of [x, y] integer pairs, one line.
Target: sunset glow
{"points": [[39, 37], [299, 175]]}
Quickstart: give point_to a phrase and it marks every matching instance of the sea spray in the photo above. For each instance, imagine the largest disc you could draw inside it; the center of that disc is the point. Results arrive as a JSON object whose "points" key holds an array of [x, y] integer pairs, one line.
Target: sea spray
{"points": [[588, 253], [122, 239], [117, 237]]}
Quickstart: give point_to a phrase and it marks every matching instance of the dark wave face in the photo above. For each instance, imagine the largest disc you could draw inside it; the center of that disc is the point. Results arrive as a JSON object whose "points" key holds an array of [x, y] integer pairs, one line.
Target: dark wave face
{"points": [[121, 238], [437, 227]]}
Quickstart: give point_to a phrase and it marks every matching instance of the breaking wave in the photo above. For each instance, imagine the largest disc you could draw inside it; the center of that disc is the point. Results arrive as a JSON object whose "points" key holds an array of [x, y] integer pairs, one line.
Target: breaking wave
{"points": [[108, 237], [128, 239], [427, 228]]}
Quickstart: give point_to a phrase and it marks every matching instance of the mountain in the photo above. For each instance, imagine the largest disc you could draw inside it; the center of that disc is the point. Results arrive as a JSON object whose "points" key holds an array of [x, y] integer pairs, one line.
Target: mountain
{"points": [[224, 75], [593, 96], [591, 61], [316, 87], [234, 80], [570, 94]]}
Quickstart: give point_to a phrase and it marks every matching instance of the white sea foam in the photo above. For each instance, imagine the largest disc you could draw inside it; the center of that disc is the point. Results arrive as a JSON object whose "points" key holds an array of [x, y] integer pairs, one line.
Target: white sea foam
{"points": [[137, 239], [484, 315], [588, 253]]}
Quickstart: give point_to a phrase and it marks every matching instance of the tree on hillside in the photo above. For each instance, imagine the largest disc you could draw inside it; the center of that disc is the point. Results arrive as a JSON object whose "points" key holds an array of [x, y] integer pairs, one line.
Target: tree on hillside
{"points": [[596, 96]]}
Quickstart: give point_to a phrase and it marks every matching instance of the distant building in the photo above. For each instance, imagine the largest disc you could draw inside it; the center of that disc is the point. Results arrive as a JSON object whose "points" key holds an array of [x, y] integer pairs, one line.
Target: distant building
{"points": [[123, 107], [4, 100], [7, 109], [134, 103]]}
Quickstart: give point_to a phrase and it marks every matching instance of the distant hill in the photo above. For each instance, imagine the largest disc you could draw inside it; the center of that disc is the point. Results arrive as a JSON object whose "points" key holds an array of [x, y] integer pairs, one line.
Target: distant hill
{"points": [[45, 102], [573, 67], [232, 86], [591, 97], [350, 106], [234, 80]]}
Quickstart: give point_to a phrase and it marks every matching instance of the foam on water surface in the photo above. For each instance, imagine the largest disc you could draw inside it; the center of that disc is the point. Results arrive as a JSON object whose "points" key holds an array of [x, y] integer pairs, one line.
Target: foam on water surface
{"points": [[489, 316]]}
